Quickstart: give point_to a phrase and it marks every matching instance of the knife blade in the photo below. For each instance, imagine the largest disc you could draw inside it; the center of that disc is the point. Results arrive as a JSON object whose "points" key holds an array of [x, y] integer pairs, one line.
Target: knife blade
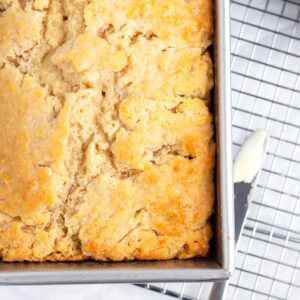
{"points": [[246, 167], [241, 204]]}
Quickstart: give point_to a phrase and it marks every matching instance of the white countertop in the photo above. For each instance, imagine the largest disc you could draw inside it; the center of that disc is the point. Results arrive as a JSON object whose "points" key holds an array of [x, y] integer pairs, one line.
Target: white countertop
{"points": [[79, 292]]}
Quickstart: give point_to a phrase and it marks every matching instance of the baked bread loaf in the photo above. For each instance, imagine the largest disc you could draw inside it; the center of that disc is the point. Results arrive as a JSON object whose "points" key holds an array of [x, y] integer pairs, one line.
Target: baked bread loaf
{"points": [[106, 139]]}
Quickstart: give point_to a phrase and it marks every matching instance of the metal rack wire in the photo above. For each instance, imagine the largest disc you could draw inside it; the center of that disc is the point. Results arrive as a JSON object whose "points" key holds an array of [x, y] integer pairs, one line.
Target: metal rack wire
{"points": [[265, 94]]}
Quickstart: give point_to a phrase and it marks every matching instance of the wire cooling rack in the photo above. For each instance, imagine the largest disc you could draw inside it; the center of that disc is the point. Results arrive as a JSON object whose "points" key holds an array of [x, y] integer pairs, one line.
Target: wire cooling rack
{"points": [[265, 44]]}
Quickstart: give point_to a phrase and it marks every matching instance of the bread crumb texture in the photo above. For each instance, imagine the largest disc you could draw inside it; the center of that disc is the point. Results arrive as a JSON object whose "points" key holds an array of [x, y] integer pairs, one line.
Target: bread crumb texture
{"points": [[107, 148]]}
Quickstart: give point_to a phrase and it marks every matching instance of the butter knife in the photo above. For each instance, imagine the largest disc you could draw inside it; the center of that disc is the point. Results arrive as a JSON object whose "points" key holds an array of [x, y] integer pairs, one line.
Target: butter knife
{"points": [[245, 169]]}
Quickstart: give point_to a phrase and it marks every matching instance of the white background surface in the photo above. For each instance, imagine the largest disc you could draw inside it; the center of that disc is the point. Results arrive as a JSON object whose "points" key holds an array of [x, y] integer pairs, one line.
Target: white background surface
{"points": [[79, 292]]}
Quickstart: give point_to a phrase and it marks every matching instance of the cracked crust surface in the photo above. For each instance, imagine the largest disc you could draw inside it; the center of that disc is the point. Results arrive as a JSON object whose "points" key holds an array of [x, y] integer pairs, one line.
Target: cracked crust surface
{"points": [[107, 148]]}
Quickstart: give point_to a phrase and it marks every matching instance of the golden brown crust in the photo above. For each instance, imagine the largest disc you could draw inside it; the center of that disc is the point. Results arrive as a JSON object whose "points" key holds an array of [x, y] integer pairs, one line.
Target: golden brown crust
{"points": [[107, 146]]}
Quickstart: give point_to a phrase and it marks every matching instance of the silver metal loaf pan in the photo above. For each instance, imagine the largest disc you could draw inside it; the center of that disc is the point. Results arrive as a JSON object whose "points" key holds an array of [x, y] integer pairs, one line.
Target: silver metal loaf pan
{"points": [[220, 265]]}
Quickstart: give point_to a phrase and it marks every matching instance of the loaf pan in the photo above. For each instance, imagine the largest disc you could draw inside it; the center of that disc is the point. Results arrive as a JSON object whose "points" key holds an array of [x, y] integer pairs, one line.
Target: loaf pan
{"points": [[220, 265]]}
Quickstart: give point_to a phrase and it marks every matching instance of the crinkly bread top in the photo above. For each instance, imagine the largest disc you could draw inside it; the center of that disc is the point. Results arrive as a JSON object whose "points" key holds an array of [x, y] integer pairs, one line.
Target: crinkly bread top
{"points": [[106, 136]]}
